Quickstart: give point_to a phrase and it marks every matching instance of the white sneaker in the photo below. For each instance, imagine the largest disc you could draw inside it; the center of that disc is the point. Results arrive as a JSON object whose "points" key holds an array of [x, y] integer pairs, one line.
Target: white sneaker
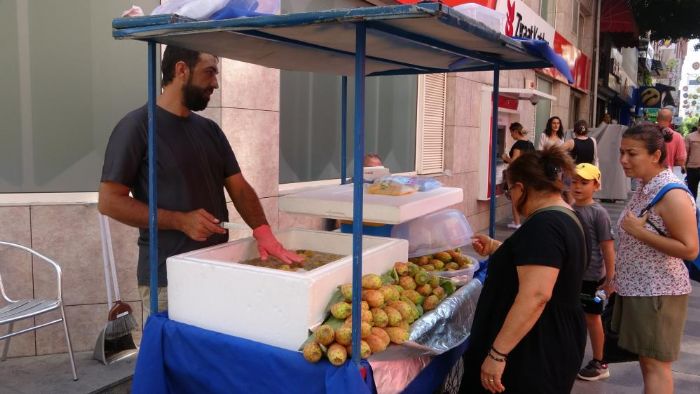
{"points": [[513, 226]]}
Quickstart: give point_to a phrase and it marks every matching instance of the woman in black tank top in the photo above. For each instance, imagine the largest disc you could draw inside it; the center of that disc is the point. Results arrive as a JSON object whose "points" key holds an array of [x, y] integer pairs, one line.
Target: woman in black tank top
{"points": [[582, 148]]}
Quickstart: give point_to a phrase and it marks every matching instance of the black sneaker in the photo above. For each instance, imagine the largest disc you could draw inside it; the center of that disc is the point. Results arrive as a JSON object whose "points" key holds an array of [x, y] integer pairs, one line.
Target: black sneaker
{"points": [[595, 370]]}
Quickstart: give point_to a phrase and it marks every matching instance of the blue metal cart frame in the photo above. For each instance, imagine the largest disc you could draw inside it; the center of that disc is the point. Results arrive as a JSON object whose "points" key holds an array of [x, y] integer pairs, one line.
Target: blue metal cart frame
{"points": [[403, 39]]}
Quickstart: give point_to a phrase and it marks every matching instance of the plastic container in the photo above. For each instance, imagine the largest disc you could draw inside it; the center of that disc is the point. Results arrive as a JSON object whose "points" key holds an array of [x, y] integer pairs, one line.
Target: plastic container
{"points": [[494, 20], [462, 276], [434, 232]]}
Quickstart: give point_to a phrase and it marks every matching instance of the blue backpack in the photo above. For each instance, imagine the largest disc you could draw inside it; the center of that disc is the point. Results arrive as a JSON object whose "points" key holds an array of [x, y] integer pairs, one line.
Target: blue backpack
{"points": [[692, 265]]}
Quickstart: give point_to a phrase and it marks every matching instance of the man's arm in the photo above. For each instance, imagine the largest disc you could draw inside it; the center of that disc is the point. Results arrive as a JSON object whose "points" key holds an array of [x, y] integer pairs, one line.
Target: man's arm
{"points": [[245, 200], [114, 201], [681, 154]]}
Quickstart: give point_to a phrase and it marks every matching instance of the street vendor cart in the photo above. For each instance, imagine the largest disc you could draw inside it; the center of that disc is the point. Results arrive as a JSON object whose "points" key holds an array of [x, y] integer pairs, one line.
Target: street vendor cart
{"points": [[360, 42]]}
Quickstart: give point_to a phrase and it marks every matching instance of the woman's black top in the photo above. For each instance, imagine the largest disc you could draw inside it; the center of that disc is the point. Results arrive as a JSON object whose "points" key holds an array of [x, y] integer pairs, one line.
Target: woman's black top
{"points": [[548, 358], [521, 145], [583, 151]]}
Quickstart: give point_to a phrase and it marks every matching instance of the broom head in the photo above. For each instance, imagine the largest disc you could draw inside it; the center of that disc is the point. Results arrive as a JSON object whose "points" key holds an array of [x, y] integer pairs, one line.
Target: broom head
{"points": [[121, 321]]}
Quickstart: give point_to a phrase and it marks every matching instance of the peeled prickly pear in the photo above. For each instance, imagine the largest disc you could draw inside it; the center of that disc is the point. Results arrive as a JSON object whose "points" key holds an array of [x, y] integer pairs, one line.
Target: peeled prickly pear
{"points": [[312, 352], [371, 281], [337, 354], [341, 310]]}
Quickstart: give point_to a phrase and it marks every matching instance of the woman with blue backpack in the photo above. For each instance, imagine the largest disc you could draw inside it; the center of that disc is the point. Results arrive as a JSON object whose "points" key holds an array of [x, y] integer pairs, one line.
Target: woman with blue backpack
{"points": [[657, 232]]}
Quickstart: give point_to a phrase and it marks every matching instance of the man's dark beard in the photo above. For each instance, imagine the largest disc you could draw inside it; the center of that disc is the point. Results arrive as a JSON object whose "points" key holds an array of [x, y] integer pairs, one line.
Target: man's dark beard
{"points": [[194, 97]]}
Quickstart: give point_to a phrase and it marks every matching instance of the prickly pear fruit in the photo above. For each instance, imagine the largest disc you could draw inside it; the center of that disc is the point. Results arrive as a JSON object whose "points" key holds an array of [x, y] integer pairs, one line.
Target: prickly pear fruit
{"points": [[379, 317], [397, 335], [375, 343], [341, 310], [371, 281], [440, 292], [381, 333], [374, 298], [390, 293], [365, 329], [403, 308], [443, 256], [422, 277], [423, 260], [343, 335], [430, 302], [407, 283], [438, 264], [312, 352], [393, 315], [434, 281], [337, 354], [414, 296], [365, 349], [452, 266], [346, 290], [425, 290], [401, 268], [325, 335]]}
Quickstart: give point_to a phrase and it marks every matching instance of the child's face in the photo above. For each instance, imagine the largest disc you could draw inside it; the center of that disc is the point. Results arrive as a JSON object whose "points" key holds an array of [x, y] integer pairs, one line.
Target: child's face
{"points": [[583, 189]]}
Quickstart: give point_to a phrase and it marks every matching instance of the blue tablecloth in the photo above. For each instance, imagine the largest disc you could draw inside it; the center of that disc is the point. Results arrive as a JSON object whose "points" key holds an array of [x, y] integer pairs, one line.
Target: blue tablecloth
{"points": [[178, 358]]}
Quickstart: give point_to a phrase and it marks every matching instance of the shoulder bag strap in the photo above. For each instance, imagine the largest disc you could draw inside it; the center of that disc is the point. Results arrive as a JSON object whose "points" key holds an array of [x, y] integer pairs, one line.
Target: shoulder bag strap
{"points": [[573, 216]]}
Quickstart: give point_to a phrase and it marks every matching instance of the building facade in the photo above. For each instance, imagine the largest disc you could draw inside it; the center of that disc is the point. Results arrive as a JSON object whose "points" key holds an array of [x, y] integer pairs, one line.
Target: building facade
{"points": [[283, 127]]}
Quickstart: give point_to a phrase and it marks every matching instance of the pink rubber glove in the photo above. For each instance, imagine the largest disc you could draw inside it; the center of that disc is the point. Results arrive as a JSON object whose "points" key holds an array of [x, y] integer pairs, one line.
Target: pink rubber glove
{"points": [[269, 245]]}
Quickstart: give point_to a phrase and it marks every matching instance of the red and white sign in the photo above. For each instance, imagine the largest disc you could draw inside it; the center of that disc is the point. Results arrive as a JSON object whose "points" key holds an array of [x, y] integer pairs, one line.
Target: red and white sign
{"points": [[523, 22]]}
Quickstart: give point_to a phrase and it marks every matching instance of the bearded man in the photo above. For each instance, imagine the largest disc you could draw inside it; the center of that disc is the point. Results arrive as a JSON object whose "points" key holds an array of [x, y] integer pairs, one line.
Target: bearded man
{"points": [[195, 163]]}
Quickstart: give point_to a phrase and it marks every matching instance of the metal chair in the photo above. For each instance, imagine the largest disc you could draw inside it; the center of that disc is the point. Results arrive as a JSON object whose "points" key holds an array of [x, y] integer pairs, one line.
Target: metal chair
{"points": [[26, 308]]}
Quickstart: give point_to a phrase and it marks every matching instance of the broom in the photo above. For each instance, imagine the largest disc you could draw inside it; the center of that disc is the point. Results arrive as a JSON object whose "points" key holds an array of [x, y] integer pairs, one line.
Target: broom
{"points": [[120, 320]]}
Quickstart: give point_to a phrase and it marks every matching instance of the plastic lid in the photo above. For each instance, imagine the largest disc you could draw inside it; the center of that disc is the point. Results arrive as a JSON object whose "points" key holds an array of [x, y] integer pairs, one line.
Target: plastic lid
{"points": [[434, 232]]}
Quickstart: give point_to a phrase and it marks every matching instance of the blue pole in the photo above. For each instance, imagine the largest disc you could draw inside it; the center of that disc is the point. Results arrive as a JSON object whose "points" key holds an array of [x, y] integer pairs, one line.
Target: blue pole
{"points": [[152, 180], [343, 129], [359, 141], [494, 153]]}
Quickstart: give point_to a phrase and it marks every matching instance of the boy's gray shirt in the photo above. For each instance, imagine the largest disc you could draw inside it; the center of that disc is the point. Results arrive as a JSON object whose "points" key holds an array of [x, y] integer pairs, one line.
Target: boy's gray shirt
{"points": [[596, 223]]}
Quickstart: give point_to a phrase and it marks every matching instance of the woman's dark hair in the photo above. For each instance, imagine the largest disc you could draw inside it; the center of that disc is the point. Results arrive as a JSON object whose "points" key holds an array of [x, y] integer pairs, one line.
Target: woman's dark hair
{"points": [[515, 126], [581, 127], [541, 171], [652, 135], [548, 129], [171, 56]]}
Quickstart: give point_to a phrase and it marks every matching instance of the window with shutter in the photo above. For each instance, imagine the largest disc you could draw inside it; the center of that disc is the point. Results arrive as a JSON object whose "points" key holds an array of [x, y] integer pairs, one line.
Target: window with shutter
{"points": [[431, 123]]}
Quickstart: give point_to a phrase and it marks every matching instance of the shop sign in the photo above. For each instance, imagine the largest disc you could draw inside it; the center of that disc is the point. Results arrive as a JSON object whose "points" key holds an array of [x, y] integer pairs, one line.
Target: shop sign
{"points": [[523, 22], [507, 103]]}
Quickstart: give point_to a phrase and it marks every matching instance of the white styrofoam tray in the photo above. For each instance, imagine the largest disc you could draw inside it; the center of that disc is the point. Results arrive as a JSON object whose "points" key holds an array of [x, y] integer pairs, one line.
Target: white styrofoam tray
{"points": [[207, 288], [336, 202]]}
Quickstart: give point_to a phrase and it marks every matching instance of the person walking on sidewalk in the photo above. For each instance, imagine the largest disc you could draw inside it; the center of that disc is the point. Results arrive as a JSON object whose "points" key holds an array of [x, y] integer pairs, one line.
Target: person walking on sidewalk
{"points": [[582, 148], [529, 331], [520, 146], [553, 134], [692, 164], [651, 279], [601, 262], [675, 147]]}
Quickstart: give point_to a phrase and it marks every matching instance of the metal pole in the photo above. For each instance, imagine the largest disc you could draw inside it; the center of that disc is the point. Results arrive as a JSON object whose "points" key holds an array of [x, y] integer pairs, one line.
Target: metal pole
{"points": [[596, 66], [359, 140], [343, 129], [494, 153], [152, 179]]}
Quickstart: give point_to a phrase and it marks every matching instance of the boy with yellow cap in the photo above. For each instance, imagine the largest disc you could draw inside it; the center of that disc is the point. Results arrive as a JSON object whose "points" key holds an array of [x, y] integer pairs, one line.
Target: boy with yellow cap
{"points": [[601, 264]]}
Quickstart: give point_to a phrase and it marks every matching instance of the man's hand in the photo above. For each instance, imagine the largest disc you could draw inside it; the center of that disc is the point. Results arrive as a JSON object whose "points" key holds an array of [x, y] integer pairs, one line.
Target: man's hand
{"points": [[269, 245], [199, 224]]}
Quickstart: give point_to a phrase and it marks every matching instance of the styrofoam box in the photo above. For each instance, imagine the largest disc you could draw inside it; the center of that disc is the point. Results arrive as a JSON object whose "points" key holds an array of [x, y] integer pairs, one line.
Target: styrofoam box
{"points": [[207, 288], [337, 202]]}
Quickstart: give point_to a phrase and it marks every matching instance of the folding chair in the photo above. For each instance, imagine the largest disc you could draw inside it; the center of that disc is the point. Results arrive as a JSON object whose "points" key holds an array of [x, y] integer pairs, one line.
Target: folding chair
{"points": [[25, 308]]}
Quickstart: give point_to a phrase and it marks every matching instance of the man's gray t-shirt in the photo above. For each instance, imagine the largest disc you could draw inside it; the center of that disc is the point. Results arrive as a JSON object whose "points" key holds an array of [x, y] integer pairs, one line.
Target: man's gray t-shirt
{"points": [[194, 159], [596, 222]]}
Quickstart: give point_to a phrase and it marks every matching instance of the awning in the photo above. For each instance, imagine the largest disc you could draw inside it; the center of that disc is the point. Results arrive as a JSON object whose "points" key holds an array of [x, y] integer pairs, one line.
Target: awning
{"points": [[403, 39], [617, 20]]}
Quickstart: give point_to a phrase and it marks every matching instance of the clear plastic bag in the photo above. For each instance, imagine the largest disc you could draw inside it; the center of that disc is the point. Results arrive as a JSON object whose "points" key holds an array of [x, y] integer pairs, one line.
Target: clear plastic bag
{"points": [[421, 184]]}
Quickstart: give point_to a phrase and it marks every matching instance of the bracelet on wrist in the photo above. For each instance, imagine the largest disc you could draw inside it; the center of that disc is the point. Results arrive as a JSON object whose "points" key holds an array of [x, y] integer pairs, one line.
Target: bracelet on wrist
{"points": [[495, 358], [493, 349]]}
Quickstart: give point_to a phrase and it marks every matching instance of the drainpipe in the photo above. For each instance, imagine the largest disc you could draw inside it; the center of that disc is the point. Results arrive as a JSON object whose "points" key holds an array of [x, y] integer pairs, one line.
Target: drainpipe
{"points": [[596, 66]]}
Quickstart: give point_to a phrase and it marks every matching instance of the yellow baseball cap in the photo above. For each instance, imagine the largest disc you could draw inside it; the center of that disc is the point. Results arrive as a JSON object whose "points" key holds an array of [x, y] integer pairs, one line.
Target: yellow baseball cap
{"points": [[588, 171]]}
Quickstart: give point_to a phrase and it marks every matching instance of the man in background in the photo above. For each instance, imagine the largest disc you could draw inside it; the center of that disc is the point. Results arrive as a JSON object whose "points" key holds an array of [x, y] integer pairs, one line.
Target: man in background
{"points": [[675, 149]]}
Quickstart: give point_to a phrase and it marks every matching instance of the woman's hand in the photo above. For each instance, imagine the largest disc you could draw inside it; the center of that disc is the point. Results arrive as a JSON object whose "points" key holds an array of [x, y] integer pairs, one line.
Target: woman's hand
{"points": [[491, 373], [634, 225], [484, 245], [607, 286]]}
